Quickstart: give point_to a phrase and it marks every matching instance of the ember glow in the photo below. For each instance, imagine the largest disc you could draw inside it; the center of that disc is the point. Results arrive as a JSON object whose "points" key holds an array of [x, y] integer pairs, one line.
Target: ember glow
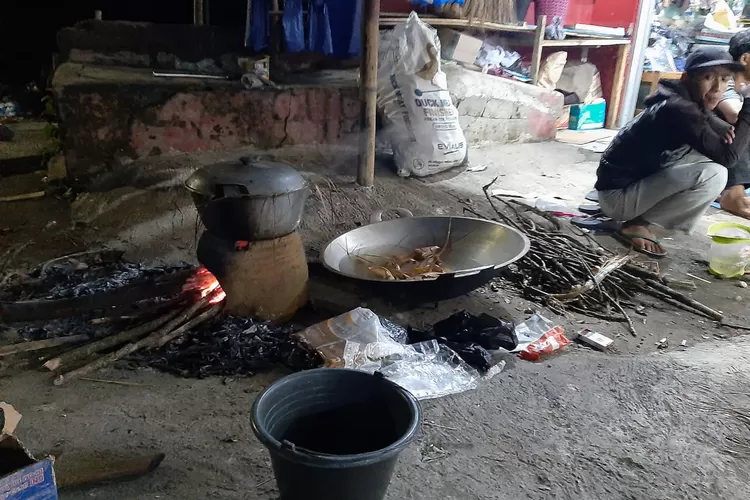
{"points": [[206, 283]]}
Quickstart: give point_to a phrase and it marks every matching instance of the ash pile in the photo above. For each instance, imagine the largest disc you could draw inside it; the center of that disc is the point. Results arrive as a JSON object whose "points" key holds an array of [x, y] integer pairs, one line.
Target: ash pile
{"points": [[77, 314]]}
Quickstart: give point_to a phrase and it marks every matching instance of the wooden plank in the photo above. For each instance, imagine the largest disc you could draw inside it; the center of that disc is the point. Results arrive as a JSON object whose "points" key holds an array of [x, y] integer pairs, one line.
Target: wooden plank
{"points": [[615, 98], [461, 23], [368, 91], [536, 54], [586, 42]]}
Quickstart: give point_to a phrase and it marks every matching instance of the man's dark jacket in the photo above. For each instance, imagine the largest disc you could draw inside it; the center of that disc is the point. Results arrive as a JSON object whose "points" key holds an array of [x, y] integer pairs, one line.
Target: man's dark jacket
{"points": [[671, 126]]}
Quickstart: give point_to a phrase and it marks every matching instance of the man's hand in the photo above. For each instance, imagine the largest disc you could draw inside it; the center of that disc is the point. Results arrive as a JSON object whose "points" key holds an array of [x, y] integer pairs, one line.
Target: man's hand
{"points": [[742, 89], [729, 136]]}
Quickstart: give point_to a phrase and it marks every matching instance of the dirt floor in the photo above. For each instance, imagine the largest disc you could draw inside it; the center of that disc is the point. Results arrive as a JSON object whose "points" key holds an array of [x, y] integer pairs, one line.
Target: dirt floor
{"points": [[638, 424]]}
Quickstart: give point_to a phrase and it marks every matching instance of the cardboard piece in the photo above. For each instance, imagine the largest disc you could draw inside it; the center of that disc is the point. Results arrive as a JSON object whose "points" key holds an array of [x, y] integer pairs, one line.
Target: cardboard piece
{"points": [[588, 116], [579, 137], [456, 46], [22, 477]]}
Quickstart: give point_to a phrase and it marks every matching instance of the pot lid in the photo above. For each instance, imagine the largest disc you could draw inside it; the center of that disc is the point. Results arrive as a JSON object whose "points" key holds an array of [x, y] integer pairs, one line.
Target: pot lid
{"points": [[245, 177]]}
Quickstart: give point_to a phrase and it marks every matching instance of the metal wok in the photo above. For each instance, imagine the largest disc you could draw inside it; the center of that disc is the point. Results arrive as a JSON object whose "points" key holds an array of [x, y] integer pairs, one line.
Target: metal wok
{"points": [[475, 251]]}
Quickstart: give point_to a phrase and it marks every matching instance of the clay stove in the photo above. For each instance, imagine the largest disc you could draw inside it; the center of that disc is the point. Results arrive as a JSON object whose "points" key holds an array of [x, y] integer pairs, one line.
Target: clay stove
{"points": [[251, 211]]}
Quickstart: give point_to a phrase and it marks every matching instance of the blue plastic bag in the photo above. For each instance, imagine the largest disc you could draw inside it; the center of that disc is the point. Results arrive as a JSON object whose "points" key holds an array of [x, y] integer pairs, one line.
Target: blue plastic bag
{"points": [[294, 26], [435, 3], [319, 32]]}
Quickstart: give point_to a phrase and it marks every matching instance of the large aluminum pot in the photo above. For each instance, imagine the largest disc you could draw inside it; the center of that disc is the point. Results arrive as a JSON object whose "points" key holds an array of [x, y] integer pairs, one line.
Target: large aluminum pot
{"points": [[249, 200], [476, 250]]}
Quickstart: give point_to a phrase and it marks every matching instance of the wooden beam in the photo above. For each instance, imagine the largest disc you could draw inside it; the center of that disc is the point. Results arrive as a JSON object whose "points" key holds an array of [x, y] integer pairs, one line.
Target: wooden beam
{"points": [[198, 15], [615, 98], [536, 54], [368, 91]]}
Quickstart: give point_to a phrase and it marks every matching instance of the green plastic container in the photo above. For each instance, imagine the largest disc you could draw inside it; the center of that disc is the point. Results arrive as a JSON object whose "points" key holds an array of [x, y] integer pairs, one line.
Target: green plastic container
{"points": [[730, 249]]}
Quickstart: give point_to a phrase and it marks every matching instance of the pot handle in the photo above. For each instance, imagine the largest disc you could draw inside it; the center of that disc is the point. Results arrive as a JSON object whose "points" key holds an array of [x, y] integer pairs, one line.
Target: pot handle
{"points": [[400, 212]]}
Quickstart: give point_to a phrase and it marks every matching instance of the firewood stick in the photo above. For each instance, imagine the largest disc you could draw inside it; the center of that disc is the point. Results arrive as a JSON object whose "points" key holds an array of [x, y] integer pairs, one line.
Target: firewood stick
{"points": [[115, 340], [156, 339], [79, 470], [26, 196], [36, 345], [608, 268], [685, 299]]}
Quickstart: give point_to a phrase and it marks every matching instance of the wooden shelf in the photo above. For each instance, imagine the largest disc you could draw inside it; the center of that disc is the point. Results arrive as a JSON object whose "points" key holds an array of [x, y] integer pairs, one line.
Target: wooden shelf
{"points": [[586, 42], [539, 43], [461, 23], [573, 40]]}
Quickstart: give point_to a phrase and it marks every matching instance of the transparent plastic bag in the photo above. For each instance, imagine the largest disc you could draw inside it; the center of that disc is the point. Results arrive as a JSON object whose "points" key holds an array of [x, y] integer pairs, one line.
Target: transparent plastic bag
{"points": [[356, 339], [430, 370], [361, 340]]}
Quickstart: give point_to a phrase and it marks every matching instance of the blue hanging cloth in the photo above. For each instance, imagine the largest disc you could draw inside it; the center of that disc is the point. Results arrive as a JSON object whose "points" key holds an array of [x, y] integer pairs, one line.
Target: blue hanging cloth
{"points": [[294, 26], [319, 32], [355, 42], [257, 38]]}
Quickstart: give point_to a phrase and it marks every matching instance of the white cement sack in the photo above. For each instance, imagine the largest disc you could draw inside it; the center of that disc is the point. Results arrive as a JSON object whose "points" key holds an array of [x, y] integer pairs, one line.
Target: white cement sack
{"points": [[421, 120]]}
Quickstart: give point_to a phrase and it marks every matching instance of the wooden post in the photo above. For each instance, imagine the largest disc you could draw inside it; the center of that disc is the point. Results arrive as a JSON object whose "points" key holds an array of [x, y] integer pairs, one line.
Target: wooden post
{"points": [[615, 98], [198, 15], [536, 55], [368, 91]]}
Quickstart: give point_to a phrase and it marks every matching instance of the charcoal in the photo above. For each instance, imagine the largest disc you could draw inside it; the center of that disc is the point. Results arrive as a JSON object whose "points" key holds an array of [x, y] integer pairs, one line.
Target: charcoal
{"points": [[232, 346]]}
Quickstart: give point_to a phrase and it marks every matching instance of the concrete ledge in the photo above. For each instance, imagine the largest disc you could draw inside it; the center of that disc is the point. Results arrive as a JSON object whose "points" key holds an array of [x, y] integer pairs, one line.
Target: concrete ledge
{"points": [[110, 113]]}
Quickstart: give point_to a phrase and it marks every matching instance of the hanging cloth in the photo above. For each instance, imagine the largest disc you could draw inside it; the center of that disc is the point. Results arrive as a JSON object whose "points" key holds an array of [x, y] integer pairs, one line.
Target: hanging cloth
{"points": [[294, 26], [319, 32], [257, 25], [355, 42]]}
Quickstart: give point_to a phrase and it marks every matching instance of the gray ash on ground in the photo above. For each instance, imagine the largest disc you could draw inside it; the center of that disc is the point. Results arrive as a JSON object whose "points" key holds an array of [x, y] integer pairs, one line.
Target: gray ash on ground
{"points": [[63, 327], [93, 280], [73, 278], [232, 345]]}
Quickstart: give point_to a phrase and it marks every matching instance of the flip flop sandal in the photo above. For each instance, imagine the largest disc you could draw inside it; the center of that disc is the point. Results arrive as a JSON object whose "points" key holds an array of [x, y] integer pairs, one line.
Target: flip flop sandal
{"points": [[590, 209], [600, 224], [593, 196], [627, 239]]}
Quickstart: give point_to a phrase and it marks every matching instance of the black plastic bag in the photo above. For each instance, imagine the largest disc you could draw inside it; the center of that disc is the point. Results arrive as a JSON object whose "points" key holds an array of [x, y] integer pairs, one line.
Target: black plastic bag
{"points": [[487, 331], [474, 354]]}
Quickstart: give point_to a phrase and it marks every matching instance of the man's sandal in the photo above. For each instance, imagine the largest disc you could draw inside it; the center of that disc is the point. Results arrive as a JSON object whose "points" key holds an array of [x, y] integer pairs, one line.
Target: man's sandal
{"points": [[627, 240]]}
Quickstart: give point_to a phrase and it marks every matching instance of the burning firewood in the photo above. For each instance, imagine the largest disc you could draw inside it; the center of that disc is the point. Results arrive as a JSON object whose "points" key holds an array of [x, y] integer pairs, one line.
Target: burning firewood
{"points": [[156, 339], [112, 341]]}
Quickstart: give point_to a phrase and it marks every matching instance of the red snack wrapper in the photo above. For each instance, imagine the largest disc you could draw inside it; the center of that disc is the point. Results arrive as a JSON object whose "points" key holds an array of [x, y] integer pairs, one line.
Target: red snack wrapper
{"points": [[552, 341]]}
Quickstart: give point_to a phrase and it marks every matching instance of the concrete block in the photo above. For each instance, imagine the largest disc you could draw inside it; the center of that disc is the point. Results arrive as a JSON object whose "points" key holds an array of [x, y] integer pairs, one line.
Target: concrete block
{"points": [[500, 110], [472, 106]]}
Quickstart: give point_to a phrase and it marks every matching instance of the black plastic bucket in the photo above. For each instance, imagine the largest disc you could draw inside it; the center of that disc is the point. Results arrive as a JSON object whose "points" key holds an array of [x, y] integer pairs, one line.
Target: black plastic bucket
{"points": [[335, 434]]}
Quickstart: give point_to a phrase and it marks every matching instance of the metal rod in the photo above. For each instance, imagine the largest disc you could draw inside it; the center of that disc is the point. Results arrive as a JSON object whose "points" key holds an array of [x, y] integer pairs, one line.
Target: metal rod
{"points": [[368, 91], [637, 54]]}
